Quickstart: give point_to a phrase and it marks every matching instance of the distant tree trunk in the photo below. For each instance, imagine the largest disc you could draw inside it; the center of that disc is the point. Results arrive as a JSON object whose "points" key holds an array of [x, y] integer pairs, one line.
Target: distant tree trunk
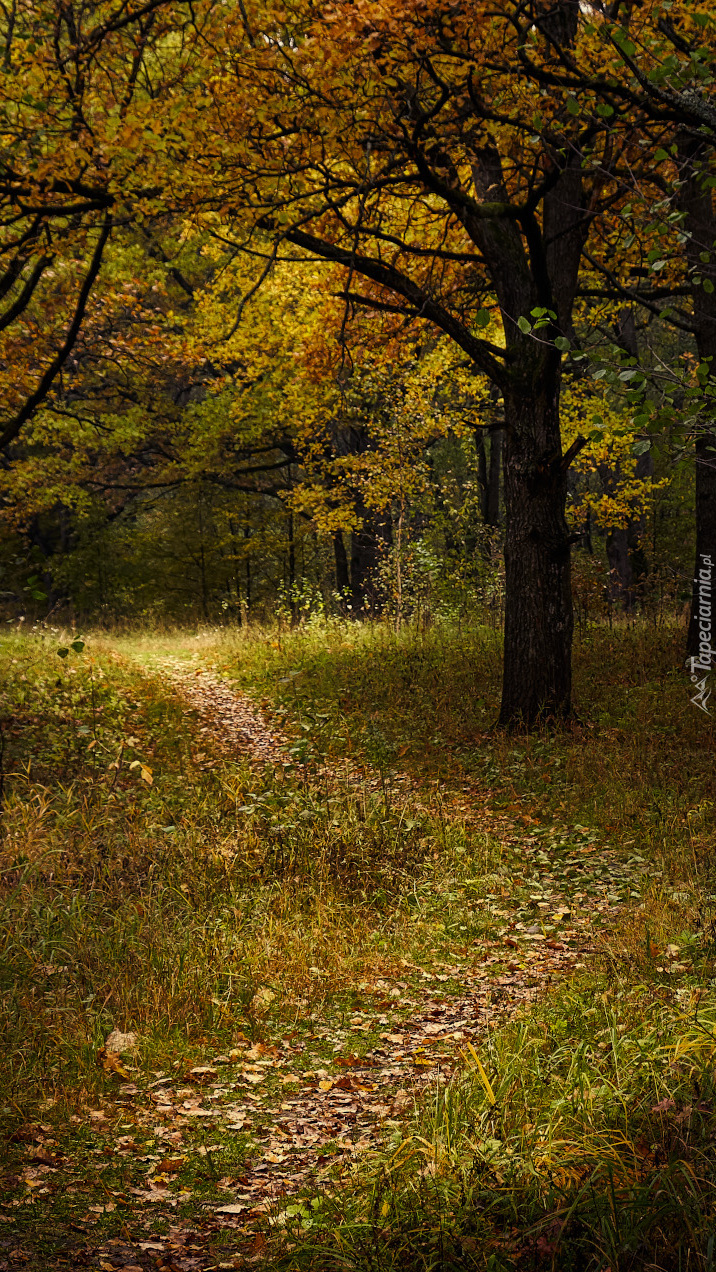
{"points": [[202, 566], [247, 535], [637, 533], [621, 578], [628, 565], [202, 571], [341, 559], [492, 503], [235, 572], [367, 545], [482, 472], [626, 554], [488, 477], [369, 542], [293, 603]]}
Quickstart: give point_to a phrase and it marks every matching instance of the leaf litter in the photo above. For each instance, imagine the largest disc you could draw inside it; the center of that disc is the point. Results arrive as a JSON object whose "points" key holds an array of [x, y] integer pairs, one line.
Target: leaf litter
{"points": [[302, 1118]]}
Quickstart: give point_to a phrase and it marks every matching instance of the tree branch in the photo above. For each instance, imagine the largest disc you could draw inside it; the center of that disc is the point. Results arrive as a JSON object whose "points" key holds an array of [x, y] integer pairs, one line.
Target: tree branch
{"points": [[12, 428]]}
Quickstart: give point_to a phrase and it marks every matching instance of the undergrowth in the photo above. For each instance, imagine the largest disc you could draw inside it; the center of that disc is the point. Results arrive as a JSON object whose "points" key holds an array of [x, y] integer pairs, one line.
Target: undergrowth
{"points": [[582, 1138], [145, 885], [149, 883]]}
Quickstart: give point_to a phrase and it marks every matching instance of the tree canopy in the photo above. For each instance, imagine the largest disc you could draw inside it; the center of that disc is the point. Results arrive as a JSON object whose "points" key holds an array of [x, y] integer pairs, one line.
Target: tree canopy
{"points": [[287, 249]]}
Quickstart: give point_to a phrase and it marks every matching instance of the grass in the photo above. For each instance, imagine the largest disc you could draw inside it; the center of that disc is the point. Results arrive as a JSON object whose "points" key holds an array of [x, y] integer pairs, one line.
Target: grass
{"points": [[150, 884], [585, 1140], [637, 767], [164, 907]]}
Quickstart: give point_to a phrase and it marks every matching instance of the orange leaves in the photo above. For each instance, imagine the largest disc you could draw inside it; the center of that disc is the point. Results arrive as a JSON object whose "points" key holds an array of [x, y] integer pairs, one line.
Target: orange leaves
{"points": [[111, 1063]]}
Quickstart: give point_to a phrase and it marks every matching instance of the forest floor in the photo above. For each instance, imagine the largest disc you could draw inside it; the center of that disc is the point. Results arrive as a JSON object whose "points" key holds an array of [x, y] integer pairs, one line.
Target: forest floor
{"points": [[303, 965]]}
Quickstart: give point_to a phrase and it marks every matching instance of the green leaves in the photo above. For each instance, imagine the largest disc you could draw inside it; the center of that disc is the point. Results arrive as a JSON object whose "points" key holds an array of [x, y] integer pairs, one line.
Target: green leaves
{"points": [[33, 587], [77, 646]]}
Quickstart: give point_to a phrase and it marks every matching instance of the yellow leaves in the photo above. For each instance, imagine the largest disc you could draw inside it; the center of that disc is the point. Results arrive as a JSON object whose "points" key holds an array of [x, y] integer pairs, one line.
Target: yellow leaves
{"points": [[111, 1063], [611, 491], [144, 771], [263, 998]]}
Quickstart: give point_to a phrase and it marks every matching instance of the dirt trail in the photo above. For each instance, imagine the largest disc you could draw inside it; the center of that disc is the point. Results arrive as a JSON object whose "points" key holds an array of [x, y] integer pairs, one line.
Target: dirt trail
{"points": [[231, 719], [305, 1102], [313, 1100], [419, 1041]]}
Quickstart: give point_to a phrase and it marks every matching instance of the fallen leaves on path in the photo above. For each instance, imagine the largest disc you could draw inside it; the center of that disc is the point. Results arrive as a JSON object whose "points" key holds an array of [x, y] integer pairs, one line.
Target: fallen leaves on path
{"points": [[305, 1107]]}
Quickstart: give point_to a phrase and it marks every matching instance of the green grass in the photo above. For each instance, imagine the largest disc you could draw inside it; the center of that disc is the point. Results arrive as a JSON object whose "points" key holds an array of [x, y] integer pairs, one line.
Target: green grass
{"points": [[637, 767], [582, 1138], [164, 907], [219, 903]]}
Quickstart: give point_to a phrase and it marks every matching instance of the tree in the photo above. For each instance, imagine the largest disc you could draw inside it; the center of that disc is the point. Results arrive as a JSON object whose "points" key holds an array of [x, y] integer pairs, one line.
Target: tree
{"points": [[437, 154], [77, 82], [656, 61], [410, 152]]}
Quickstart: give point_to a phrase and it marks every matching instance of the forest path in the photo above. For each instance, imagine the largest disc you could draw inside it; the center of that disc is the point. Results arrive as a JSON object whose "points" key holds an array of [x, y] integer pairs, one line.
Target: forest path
{"points": [[310, 1103], [240, 1142]]}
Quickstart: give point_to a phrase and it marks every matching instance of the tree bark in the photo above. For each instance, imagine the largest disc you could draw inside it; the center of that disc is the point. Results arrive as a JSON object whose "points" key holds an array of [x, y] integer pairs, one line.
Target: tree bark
{"points": [[626, 557], [534, 266], [621, 577], [367, 546], [492, 503], [537, 680], [247, 534], [341, 559], [488, 475], [482, 479]]}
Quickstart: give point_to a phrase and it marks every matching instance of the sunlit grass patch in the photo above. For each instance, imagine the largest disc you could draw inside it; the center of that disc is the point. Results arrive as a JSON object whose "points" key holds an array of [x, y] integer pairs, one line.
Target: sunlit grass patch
{"points": [[582, 1137]]}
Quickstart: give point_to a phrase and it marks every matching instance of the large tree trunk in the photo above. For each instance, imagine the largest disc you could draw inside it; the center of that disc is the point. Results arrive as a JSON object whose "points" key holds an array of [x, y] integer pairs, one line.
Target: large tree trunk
{"points": [[541, 270], [538, 608]]}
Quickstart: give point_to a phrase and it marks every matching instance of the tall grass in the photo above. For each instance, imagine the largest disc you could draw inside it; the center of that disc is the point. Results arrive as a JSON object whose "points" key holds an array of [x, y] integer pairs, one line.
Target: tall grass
{"points": [[163, 908], [580, 1139], [580, 1136]]}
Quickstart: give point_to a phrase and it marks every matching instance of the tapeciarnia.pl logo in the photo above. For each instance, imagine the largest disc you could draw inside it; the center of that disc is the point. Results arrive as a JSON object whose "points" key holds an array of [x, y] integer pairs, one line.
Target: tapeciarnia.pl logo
{"points": [[701, 665]]}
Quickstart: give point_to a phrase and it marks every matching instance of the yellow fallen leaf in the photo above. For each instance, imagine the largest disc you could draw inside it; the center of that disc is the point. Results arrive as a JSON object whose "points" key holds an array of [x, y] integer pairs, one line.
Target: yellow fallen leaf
{"points": [[325, 1085], [145, 771], [111, 1062], [263, 997]]}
